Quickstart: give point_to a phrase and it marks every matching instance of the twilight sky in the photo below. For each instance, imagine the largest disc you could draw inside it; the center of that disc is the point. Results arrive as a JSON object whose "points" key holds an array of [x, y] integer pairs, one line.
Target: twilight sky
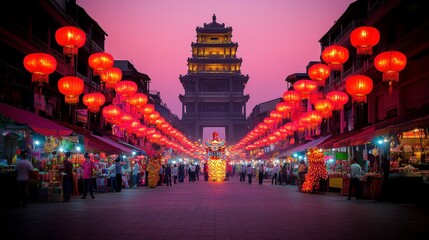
{"points": [[276, 38]]}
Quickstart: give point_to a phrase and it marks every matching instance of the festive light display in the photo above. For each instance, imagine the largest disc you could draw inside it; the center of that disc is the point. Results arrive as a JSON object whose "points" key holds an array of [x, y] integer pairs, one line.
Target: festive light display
{"points": [[153, 169], [216, 163], [316, 171]]}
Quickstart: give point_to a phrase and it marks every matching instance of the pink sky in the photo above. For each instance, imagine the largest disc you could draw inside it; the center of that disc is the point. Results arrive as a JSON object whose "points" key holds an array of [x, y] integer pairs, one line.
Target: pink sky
{"points": [[276, 38]]}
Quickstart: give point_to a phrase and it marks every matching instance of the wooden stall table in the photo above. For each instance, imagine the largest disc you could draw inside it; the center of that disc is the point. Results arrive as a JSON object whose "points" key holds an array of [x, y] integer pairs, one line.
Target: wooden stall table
{"points": [[335, 183]]}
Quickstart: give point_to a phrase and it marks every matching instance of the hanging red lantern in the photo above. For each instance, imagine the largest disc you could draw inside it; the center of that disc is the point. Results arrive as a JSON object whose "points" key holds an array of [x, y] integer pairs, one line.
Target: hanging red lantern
{"points": [[338, 99], [152, 117], [335, 56], [364, 38], [71, 87], [284, 108], [100, 61], [319, 73], [40, 65], [111, 75], [277, 116], [148, 109], [315, 118], [135, 124], [138, 100], [140, 131], [93, 101], [70, 38], [324, 106], [111, 112], [291, 97], [124, 120], [126, 88], [358, 86], [390, 63], [305, 87], [291, 127]]}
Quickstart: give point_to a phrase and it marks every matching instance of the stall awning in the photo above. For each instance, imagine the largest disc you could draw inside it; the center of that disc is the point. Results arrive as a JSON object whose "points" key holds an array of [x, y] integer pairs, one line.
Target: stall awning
{"points": [[329, 143], [418, 118], [116, 144], [91, 143], [308, 145], [39, 124], [360, 138], [134, 147]]}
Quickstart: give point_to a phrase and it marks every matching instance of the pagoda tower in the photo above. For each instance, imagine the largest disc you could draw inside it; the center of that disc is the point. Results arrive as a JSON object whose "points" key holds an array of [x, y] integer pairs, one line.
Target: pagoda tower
{"points": [[214, 86]]}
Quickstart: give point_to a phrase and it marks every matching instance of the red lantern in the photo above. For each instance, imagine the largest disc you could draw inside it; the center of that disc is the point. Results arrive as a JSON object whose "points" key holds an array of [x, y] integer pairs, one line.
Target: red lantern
{"points": [[111, 75], [124, 120], [319, 72], [284, 108], [152, 117], [93, 101], [111, 112], [291, 97], [324, 106], [100, 62], [390, 63], [138, 100], [358, 86], [291, 127], [277, 116], [305, 87], [335, 56], [126, 88], [364, 38], [40, 65], [148, 109], [315, 118], [135, 124], [71, 87], [338, 99], [70, 38], [140, 131]]}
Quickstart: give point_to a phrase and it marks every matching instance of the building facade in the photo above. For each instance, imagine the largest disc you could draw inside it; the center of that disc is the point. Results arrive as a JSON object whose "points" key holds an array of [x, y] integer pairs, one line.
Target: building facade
{"points": [[214, 86]]}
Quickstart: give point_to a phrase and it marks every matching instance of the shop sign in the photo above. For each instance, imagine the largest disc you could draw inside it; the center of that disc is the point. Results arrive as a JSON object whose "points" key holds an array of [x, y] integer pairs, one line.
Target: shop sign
{"points": [[416, 133]]}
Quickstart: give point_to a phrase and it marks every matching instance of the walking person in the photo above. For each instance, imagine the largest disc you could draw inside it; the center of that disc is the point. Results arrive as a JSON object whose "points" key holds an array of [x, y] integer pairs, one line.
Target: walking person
{"points": [[355, 174], [191, 173], [23, 168], [136, 171], [276, 171], [206, 172], [175, 172], [197, 171], [261, 173], [181, 173], [242, 173], [302, 170], [112, 175], [67, 177], [168, 174], [88, 166], [161, 175], [249, 172], [118, 171]]}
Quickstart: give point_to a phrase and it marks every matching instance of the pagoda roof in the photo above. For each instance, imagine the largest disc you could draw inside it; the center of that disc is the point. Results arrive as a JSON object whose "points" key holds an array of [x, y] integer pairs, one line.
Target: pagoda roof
{"points": [[214, 27], [215, 60], [231, 44]]}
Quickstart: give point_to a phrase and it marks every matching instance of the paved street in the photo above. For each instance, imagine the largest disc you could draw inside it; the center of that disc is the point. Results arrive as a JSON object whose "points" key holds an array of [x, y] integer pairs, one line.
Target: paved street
{"points": [[225, 210]]}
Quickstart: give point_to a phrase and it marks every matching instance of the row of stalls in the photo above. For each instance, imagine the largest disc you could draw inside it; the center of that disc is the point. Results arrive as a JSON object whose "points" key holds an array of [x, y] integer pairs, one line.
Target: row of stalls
{"points": [[48, 141], [403, 142]]}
